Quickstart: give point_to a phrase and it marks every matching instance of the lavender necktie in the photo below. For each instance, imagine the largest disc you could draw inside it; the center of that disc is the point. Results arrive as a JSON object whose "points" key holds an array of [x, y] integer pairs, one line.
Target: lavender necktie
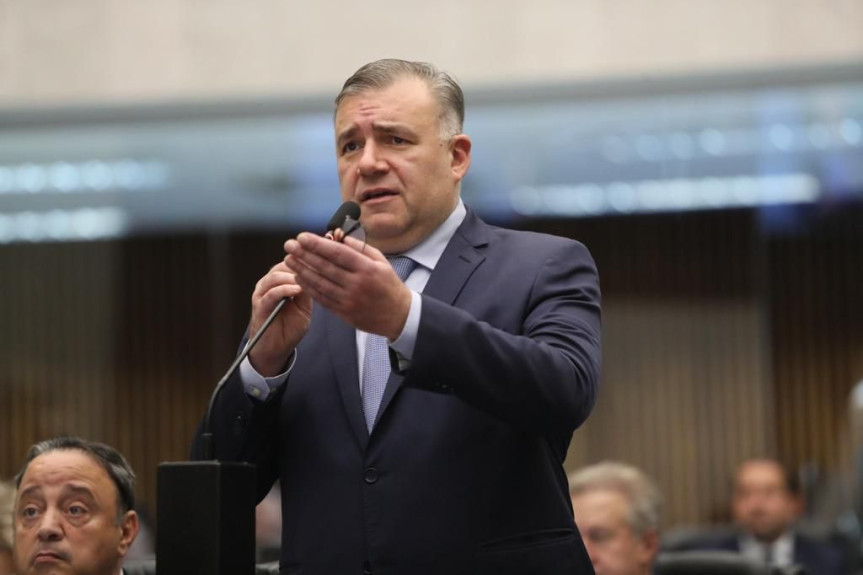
{"points": [[376, 365]]}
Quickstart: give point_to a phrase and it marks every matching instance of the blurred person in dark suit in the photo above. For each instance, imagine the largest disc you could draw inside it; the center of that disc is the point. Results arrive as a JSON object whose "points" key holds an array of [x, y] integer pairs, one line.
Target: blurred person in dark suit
{"points": [[74, 510], [418, 418], [765, 505], [617, 509]]}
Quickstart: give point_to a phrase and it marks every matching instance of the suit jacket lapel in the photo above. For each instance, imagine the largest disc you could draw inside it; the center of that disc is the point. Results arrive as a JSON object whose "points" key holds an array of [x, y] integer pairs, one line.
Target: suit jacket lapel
{"points": [[458, 261], [343, 350], [455, 266]]}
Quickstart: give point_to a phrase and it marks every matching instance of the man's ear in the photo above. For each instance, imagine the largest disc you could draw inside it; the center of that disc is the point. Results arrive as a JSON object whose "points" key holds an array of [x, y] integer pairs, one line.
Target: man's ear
{"points": [[128, 531], [648, 547], [798, 506], [460, 152]]}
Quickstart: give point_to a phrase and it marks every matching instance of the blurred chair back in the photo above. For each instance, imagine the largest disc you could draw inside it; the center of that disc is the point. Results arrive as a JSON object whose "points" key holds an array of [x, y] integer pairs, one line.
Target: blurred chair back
{"points": [[716, 563], [139, 567], [148, 567]]}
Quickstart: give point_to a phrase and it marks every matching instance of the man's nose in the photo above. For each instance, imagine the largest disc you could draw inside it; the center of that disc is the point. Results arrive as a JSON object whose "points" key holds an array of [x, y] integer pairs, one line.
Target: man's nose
{"points": [[50, 527], [372, 161]]}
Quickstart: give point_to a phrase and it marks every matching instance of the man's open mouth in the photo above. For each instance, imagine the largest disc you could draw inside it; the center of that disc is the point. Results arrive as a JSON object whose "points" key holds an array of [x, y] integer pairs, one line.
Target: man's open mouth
{"points": [[374, 194]]}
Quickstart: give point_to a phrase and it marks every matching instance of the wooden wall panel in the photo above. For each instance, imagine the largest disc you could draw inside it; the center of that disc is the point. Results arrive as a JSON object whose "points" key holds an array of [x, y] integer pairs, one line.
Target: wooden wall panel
{"points": [[816, 303], [684, 396], [55, 342], [685, 390]]}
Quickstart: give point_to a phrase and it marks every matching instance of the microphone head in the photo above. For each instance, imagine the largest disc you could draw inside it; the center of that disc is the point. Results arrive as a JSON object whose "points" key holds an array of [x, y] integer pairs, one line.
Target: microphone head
{"points": [[346, 210]]}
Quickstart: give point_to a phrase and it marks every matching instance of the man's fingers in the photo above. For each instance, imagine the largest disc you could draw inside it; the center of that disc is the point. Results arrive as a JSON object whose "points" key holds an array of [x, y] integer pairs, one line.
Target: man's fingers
{"points": [[364, 249], [334, 252], [274, 279], [320, 287], [268, 301], [310, 266]]}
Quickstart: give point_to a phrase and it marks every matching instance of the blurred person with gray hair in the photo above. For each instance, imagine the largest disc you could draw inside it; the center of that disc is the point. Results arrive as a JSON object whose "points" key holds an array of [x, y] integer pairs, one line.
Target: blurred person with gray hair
{"points": [[617, 510], [74, 510], [7, 503]]}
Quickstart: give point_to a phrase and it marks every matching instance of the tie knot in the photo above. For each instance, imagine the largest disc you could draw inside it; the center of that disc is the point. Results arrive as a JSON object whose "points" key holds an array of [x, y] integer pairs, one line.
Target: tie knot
{"points": [[403, 266]]}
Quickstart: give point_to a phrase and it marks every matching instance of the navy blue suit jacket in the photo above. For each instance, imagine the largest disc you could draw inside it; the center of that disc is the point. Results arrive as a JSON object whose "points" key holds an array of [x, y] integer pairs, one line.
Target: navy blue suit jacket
{"points": [[462, 472]]}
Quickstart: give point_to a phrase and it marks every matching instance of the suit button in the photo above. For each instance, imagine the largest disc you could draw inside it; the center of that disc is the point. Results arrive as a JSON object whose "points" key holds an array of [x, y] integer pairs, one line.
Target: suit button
{"points": [[370, 475], [367, 569]]}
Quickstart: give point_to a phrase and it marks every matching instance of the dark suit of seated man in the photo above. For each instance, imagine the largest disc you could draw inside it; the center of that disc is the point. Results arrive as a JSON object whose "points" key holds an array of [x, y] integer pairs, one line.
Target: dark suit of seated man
{"points": [[765, 506], [418, 417]]}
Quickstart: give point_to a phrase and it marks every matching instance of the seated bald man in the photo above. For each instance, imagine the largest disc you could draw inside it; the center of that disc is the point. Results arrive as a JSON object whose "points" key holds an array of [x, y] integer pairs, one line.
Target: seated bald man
{"points": [[74, 511]]}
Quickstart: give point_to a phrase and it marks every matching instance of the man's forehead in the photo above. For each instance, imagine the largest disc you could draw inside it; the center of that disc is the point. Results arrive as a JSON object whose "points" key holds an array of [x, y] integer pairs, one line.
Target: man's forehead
{"points": [[403, 97], [760, 472], [608, 501], [71, 468], [70, 487]]}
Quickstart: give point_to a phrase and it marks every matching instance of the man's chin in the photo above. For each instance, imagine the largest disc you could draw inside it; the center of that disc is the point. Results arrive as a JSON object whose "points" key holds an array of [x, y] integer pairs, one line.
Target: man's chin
{"points": [[767, 534], [50, 569], [384, 232], [49, 564]]}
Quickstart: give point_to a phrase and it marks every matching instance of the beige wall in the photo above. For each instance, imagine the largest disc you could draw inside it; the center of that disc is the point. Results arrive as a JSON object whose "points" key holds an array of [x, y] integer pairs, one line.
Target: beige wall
{"points": [[61, 51]]}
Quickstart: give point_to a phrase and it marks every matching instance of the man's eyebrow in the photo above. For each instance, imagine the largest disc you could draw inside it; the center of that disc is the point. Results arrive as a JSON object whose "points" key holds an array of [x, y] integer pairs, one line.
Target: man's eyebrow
{"points": [[379, 127], [347, 134], [73, 489], [33, 489], [391, 128]]}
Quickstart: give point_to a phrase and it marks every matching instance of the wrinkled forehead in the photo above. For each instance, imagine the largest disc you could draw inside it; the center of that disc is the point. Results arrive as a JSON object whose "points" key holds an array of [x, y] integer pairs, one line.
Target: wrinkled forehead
{"points": [[405, 99], [66, 471]]}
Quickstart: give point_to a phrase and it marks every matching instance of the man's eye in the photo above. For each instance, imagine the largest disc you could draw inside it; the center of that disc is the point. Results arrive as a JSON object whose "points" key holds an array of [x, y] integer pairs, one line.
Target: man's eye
{"points": [[349, 147], [77, 510], [29, 512], [399, 141]]}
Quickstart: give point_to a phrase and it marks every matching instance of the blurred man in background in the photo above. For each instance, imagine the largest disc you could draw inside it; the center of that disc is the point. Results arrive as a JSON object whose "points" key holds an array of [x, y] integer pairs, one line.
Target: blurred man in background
{"points": [[617, 511], [74, 511], [7, 502], [765, 506]]}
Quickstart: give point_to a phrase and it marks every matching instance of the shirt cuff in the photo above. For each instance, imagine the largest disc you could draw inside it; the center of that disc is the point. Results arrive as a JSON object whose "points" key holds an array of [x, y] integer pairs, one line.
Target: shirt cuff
{"points": [[406, 341], [259, 387]]}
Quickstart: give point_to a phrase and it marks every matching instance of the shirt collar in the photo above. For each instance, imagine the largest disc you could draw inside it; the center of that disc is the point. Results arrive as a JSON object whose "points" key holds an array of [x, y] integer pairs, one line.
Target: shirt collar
{"points": [[782, 550], [428, 252]]}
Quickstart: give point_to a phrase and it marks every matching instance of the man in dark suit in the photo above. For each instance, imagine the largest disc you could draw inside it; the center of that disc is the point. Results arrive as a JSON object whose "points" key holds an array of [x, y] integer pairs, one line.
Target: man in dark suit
{"points": [[451, 461], [765, 505]]}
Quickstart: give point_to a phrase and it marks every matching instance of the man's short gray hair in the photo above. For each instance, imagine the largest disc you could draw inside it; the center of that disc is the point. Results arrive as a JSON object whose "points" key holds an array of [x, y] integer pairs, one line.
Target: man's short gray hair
{"points": [[642, 494], [381, 74], [111, 460], [7, 504]]}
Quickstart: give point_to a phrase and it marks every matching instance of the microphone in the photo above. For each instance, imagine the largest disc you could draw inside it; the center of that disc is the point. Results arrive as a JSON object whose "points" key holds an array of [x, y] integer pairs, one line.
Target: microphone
{"points": [[339, 219], [206, 509], [344, 221]]}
